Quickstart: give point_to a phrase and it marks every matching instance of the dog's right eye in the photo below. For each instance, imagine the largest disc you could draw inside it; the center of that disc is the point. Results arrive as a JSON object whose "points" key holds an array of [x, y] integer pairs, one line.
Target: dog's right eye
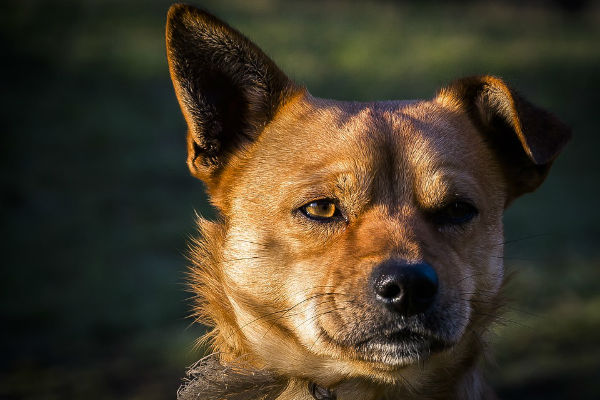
{"points": [[321, 210], [455, 213]]}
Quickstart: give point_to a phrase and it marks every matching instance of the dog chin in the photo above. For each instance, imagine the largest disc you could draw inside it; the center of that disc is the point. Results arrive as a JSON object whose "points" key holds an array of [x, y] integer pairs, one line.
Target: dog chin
{"points": [[400, 348]]}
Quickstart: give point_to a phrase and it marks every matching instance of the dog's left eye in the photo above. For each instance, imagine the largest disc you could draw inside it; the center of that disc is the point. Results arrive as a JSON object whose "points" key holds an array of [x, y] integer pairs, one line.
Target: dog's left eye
{"points": [[455, 213], [321, 210]]}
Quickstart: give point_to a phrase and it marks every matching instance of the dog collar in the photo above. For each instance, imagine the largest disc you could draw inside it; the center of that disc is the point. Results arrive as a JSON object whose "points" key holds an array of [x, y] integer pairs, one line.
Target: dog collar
{"points": [[320, 393]]}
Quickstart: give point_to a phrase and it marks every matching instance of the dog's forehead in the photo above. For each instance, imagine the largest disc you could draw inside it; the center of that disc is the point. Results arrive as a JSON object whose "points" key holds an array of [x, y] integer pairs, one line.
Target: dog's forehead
{"points": [[415, 133]]}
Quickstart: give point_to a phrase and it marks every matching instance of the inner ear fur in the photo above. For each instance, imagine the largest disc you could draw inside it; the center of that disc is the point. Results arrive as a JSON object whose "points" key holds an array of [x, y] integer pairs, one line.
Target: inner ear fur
{"points": [[525, 138], [228, 89]]}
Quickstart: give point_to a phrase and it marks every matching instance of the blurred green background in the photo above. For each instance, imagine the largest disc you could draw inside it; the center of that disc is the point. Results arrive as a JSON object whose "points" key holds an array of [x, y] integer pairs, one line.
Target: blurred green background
{"points": [[97, 203]]}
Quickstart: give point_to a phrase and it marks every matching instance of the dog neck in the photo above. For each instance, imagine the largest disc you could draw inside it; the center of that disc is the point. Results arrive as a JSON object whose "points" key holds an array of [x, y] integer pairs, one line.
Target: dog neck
{"points": [[210, 379]]}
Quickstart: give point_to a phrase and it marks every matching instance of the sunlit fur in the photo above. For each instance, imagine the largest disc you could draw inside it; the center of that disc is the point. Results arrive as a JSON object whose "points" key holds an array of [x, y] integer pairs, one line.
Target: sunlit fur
{"points": [[288, 294], [268, 281]]}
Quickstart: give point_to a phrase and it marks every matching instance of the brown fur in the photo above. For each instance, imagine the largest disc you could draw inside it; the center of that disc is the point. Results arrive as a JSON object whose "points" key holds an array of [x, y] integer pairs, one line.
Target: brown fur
{"points": [[289, 295]]}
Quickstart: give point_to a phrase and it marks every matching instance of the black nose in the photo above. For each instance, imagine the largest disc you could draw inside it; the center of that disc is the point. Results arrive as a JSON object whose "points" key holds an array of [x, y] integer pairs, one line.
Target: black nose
{"points": [[407, 289]]}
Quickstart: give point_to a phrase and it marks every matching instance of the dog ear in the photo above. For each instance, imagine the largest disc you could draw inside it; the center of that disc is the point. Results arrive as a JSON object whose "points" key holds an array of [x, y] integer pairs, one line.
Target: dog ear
{"points": [[525, 138], [228, 89]]}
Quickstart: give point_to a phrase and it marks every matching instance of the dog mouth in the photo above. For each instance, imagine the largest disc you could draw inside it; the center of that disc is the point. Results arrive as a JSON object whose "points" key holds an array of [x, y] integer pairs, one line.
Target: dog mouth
{"points": [[397, 348], [400, 347]]}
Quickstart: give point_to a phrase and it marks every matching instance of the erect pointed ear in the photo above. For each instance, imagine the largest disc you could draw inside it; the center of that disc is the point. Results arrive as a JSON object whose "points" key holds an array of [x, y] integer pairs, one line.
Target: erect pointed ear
{"points": [[228, 89], [525, 138]]}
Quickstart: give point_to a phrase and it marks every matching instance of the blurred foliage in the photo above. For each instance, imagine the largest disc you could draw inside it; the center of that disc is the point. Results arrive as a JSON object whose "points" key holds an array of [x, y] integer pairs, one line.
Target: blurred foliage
{"points": [[96, 201]]}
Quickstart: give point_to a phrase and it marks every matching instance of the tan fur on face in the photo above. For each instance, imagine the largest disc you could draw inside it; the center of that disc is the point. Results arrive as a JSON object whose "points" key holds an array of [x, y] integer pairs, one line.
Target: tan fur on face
{"points": [[293, 297], [270, 279]]}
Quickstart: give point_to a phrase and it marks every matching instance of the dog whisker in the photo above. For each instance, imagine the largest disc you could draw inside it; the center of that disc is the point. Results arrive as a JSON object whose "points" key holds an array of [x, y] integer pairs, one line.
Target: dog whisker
{"points": [[524, 238], [316, 340], [245, 258], [284, 312], [478, 274], [319, 315], [510, 258]]}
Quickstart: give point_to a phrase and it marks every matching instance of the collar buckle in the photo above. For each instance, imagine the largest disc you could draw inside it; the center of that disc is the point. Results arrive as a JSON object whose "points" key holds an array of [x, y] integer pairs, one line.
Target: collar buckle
{"points": [[320, 393]]}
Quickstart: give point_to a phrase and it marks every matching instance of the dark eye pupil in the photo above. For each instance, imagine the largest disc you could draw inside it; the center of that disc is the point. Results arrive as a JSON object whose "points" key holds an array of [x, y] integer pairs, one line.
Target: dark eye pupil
{"points": [[458, 210], [321, 207], [455, 213]]}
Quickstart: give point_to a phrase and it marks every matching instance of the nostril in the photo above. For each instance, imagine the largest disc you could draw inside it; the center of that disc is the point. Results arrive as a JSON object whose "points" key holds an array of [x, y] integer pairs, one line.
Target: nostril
{"points": [[389, 290], [406, 289]]}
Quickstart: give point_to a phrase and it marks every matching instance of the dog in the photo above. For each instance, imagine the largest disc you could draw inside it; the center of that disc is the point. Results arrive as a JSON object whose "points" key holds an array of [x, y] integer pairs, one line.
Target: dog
{"points": [[358, 248]]}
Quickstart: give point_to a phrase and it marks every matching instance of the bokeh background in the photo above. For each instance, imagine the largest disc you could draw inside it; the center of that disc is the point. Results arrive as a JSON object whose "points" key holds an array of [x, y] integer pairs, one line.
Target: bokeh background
{"points": [[97, 204]]}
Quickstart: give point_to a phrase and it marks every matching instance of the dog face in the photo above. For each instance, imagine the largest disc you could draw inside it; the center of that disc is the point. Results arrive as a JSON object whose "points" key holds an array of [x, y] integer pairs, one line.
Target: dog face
{"points": [[357, 239], [378, 229]]}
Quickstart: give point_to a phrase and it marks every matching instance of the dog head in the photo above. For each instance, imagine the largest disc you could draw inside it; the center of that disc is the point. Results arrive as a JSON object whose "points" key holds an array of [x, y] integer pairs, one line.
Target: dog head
{"points": [[356, 239]]}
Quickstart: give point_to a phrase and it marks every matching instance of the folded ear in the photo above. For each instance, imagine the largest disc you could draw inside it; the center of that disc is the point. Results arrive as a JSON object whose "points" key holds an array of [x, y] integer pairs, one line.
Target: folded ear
{"points": [[525, 138], [228, 89]]}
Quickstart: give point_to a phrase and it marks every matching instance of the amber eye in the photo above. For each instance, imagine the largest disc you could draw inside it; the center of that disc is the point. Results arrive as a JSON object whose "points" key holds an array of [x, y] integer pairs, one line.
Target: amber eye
{"points": [[455, 213], [321, 210]]}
